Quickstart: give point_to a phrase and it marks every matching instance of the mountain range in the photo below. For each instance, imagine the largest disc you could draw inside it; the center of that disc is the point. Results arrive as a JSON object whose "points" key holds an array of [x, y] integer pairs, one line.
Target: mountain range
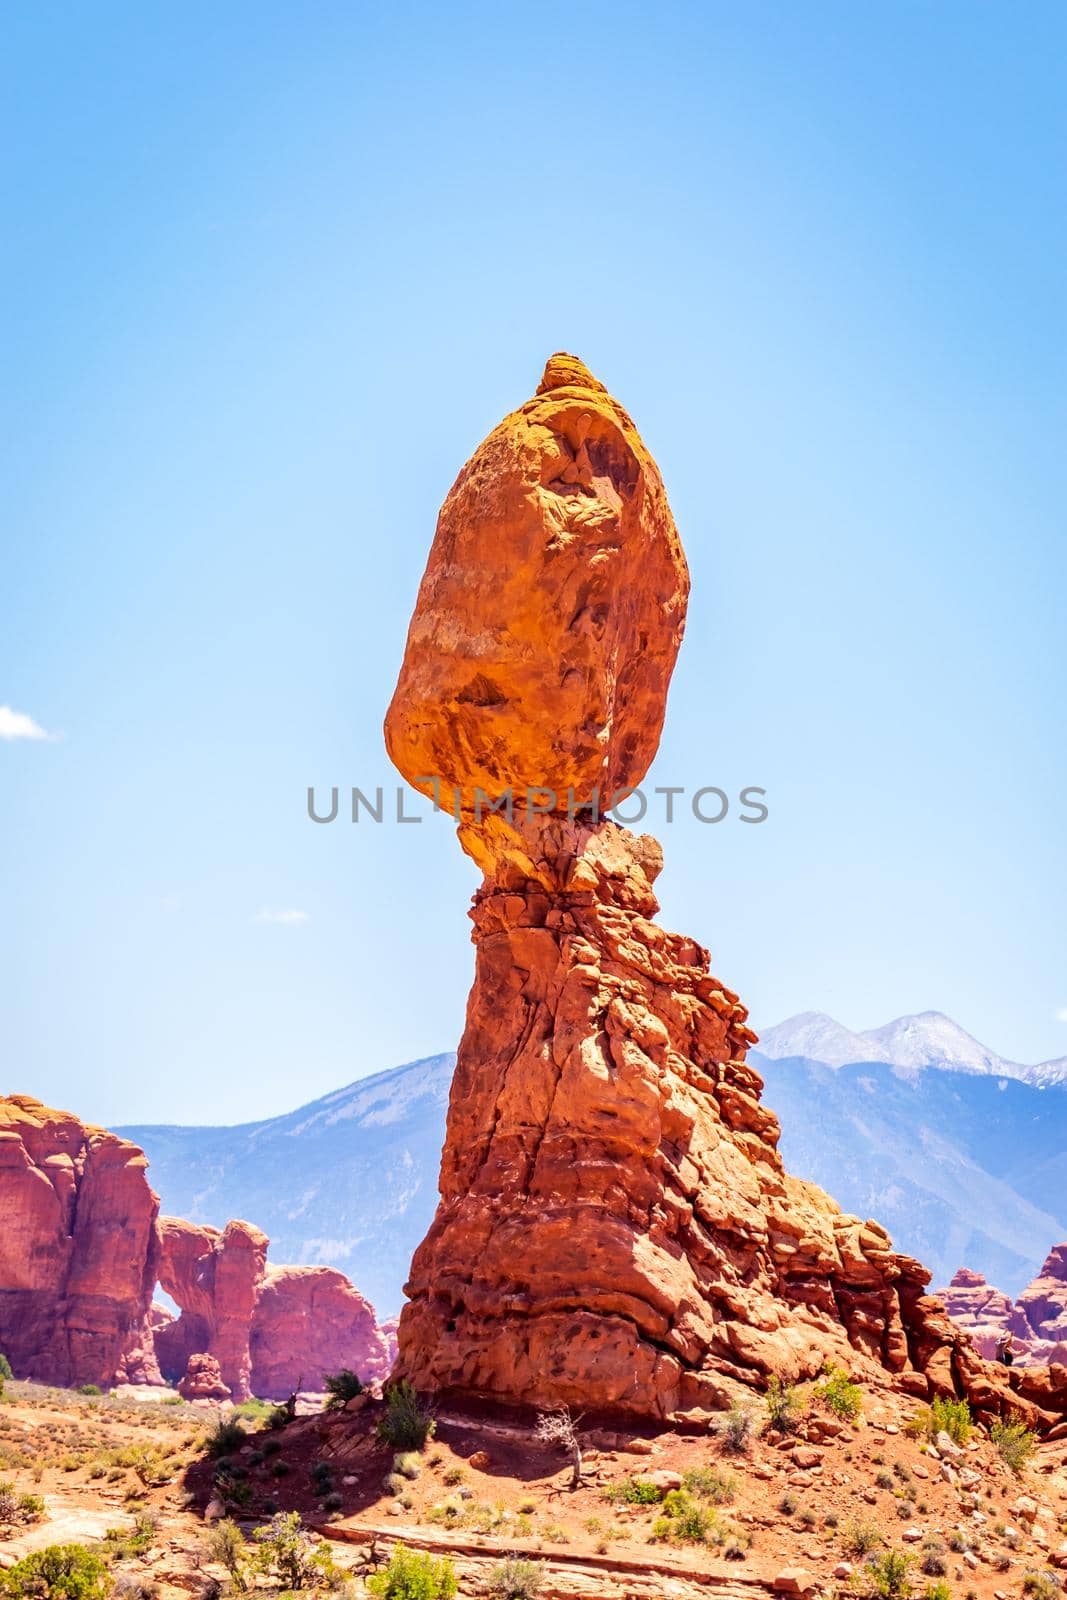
{"points": [[960, 1154]]}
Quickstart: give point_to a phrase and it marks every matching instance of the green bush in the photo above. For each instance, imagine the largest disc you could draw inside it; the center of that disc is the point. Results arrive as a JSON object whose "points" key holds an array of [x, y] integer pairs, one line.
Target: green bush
{"points": [[937, 1591], [683, 1520], [226, 1437], [943, 1416], [1042, 1585], [634, 1492], [288, 1556], [59, 1572], [414, 1577], [709, 1484], [1014, 1443], [859, 1538], [91, 1389], [407, 1424], [227, 1546], [784, 1406], [840, 1395], [515, 1579], [885, 1577], [5, 1369], [341, 1387]]}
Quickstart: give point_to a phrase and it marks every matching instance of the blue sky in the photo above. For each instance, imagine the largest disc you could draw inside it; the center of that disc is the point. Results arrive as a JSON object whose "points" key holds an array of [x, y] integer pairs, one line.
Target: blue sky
{"points": [[271, 272]]}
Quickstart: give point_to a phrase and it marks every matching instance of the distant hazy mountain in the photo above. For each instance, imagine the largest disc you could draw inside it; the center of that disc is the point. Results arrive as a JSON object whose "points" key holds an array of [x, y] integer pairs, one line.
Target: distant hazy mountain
{"points": [[929, 1039], [349, 1181], [961, 1155], [964, 1169]]}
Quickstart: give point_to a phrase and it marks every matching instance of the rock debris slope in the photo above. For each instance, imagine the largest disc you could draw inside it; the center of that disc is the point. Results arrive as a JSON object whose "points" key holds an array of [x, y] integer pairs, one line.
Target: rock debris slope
{"points": [[615, 1227]]}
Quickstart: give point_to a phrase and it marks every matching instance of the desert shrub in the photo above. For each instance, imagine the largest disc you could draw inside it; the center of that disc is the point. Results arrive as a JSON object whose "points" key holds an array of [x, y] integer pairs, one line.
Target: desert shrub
{"points": [[905, 1510], [407, 1424], [1041, 1585], [515, 1578], [333, 1502], [683, 1520], [885, 1577], [124, 1543], [943, 1416], [784, 1406], [787, 1504], [884, 1480], [957, 1543], [407, 1463], [708, 1484], [287, 1554], [341, 1387], [134, 1586], [410, 1576], [59, 1572], [859, 1538], [19, 1508], [277, 1417], [633, 1492], [937, 1591], [92, 1390], [830, 1520], [932, 1559], [735, 1429], [808, 1517], [1014, 1443], [227, 1546], [5, 1369], [840, 1395], [225, 1437], [900, 1471], [452, 1475]]}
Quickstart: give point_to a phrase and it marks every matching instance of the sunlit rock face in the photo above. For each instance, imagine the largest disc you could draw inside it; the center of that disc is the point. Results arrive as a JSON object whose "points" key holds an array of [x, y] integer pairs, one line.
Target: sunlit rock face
{"points": [[615, 1228], [550, 612]]}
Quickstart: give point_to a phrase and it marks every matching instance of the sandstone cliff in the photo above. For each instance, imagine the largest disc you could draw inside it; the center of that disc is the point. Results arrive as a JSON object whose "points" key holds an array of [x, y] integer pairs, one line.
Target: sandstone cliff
{"points": [[77, 1249], [82, 1248], [615, 1227]]}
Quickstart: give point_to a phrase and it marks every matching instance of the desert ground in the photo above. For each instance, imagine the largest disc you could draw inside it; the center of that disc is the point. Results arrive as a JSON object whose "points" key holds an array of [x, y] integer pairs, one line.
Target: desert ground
{"points": [[145, 1484]]}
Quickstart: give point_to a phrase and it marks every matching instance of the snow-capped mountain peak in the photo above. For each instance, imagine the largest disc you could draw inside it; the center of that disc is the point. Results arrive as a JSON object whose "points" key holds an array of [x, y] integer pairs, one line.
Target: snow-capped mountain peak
{"points": [[817, 1037], [910, 1044], [933, 1040]]}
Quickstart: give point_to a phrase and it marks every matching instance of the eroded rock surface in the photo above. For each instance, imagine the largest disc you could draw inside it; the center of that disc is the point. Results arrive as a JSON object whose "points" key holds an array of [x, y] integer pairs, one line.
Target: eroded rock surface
{"points": [[615, 1229], [551, 610], [77, 1249], [82, 1248], [1037, 1320]]}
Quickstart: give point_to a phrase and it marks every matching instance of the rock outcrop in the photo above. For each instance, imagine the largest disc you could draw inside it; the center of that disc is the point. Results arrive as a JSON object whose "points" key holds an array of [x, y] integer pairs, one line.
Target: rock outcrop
{"points": [[1037, 1321], [310, 1321], [77, 1249], [82, 1248], [270, 1329], [615, 1228]]}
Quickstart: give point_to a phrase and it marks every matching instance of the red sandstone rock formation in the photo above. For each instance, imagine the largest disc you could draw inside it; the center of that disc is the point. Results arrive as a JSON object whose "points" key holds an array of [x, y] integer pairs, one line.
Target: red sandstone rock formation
{"points": [[215, 1277], [202, 1379], [81, 1250], [77, 1249], [1037, 1321], [557, 529], [308, 1322], [271, 1329], [615, 1227]]}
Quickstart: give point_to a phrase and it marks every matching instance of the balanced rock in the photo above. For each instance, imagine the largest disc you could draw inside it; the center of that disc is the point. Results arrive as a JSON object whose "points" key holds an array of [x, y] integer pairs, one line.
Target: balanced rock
{"points": [[616, 1230], [550, 613]]}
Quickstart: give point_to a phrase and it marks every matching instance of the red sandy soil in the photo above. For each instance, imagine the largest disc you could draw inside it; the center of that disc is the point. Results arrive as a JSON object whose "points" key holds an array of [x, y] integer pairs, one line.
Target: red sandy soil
{"points": [[508, 1493]]}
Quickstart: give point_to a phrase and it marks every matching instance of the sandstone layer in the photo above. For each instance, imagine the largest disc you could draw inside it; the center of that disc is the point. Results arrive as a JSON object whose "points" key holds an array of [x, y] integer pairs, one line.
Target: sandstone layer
{"points": [[551, 610], [82, 1248], [77, 1249], [615, 1230]]}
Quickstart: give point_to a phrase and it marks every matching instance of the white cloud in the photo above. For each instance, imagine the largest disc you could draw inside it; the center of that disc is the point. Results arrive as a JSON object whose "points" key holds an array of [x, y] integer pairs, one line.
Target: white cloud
{"points": [[284, 919], [17, 725], [1061, 1014]]}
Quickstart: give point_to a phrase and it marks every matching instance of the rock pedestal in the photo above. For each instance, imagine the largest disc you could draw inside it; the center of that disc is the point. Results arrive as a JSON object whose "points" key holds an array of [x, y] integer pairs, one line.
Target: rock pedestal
{"points": [[615, 1228]]}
